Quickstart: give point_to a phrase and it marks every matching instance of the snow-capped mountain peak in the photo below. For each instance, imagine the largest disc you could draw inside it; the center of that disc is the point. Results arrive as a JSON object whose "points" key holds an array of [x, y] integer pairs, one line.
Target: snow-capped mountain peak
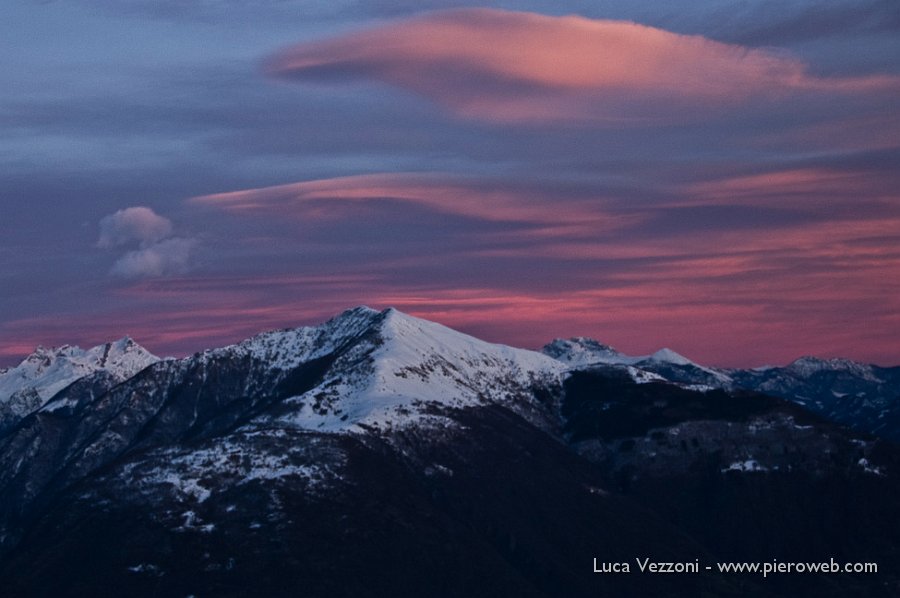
{"points": [[47, 371], [580, 350], [584, 352], [366, 368], [392, 365], [666, 355]]}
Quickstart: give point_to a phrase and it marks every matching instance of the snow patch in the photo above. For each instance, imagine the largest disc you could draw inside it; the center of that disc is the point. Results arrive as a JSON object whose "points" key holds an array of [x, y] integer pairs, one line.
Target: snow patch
{"points": [[148, 568], [192, 522], [195, 475], [869, 468], [748, 465], [808, 366], [666, 355], [643, 376]]}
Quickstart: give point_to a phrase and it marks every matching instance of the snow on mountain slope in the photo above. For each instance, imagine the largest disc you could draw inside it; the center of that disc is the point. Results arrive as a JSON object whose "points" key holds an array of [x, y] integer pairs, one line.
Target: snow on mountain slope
{"points": [[45, 372], [807, 366], [666, 355], [862, 396], [402, 365], [290, 347], [691, 372], [580, 352]]}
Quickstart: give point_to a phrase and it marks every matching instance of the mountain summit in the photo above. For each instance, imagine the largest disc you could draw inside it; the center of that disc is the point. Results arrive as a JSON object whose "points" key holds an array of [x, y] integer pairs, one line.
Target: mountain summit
{"points": [[397, 364]]}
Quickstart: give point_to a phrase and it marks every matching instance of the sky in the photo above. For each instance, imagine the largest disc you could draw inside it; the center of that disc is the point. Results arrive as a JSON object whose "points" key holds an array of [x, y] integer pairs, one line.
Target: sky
{"points": [[717, 177]]}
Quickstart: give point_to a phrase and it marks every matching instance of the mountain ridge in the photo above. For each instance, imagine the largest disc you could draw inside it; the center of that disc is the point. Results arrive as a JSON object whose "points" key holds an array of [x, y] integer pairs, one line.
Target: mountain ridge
{"points": [[863, 399], [863, 396], [34, 382]]}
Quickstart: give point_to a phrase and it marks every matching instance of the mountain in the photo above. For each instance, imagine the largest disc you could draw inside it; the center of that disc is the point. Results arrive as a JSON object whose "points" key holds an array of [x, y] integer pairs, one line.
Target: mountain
{"points": [[665, 364], [379, 454], [45, 372], [582, 351], [864, 397]]}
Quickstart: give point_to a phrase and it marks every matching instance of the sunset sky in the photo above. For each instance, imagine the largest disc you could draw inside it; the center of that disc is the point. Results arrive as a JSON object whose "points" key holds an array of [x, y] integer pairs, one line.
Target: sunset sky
{"points": [[721, 177]]}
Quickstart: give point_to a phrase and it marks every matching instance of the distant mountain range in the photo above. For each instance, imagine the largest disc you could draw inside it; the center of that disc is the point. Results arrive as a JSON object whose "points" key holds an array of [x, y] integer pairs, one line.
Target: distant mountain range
{"points": [[864, 397], [41, 375], [383, 455]]}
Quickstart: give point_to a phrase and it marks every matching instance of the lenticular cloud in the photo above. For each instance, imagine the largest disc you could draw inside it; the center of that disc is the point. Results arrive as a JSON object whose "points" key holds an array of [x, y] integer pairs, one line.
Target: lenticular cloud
{"points": [[518, 67]]}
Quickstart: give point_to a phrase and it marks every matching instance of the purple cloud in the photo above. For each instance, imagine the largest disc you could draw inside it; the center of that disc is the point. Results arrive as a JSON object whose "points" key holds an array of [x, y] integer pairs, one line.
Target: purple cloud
{"points": [[157, 254], [166, 258], [136, 224]]}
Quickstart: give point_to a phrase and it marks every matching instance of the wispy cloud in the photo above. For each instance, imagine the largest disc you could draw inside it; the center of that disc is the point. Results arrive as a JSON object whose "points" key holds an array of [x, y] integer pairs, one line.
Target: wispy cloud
{"points": [[322, 200]]}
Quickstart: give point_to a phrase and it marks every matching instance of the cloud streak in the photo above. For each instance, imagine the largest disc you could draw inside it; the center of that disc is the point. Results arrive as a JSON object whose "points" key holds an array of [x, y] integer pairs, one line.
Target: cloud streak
{"points": [[510, 67], [321, 200]]}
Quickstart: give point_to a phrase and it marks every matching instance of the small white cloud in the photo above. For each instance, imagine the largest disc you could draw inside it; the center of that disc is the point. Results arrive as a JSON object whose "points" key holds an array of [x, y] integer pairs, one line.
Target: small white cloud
{"points": [[166, 258], [154, 251], [136, 224]]}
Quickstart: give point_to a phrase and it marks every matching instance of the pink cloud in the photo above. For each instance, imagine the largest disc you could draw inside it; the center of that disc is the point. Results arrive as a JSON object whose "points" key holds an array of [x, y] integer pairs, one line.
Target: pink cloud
{"points": [[308, 200], [133, 225], [165, 258], [502, 66], [781, 185]]}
